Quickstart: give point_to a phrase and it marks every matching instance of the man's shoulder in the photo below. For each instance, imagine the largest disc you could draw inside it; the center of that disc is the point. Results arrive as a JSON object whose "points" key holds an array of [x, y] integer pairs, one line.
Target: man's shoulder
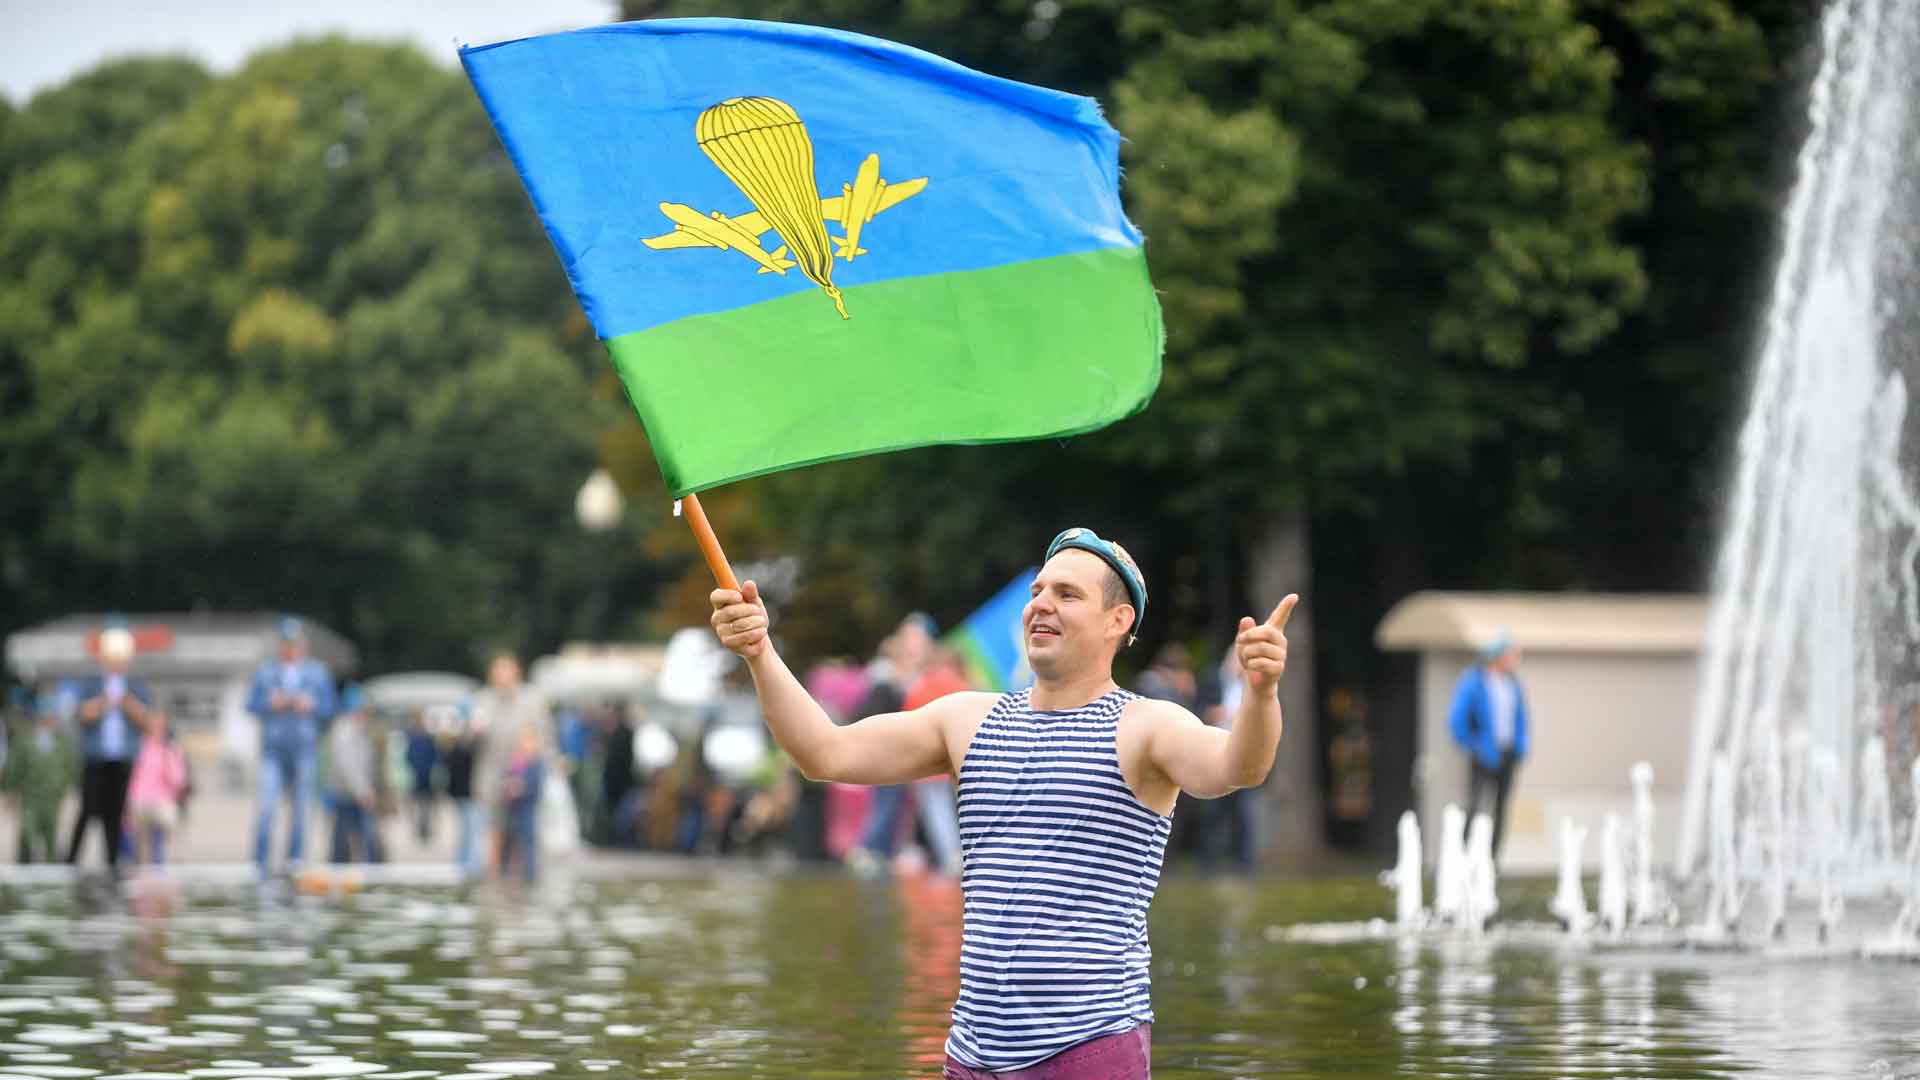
{"points": [[1155, 710], [965, 703]]}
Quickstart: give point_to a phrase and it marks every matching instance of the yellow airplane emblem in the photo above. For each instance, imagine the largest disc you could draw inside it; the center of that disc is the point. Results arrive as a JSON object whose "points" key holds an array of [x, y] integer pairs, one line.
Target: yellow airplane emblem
{"points": [[762, 146]]}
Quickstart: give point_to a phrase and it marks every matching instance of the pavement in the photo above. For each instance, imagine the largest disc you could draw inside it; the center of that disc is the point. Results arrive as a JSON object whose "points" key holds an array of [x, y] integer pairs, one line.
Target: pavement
{"points": [[215, 844], [218, 828]]}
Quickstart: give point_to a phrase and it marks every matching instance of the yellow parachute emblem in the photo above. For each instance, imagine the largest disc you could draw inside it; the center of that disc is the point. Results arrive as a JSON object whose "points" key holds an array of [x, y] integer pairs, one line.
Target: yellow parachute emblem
{"points": [[761, 145]]}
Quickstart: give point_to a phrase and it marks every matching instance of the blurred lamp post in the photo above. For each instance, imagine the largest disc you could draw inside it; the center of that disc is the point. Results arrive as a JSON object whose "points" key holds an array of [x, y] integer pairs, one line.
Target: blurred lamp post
{"points": [[598, 507], [598, 504]]}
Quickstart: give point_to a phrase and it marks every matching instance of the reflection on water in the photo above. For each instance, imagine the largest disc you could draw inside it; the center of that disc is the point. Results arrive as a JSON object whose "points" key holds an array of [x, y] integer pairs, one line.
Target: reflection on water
{"points": [[739, 975]]}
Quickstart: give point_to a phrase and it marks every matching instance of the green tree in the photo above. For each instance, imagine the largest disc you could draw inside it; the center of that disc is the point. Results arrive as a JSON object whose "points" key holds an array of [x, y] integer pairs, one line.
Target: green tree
{"points": [[291, 338]]}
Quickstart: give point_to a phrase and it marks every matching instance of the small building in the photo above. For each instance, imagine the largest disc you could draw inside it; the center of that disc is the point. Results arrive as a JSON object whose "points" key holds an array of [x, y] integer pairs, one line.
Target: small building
{"points": [[1609, 681], [197, 663]]}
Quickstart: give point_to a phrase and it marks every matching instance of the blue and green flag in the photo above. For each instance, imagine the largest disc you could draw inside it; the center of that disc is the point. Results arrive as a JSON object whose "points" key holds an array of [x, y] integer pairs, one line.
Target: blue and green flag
{"points": [[991, 639], [801, 244]]}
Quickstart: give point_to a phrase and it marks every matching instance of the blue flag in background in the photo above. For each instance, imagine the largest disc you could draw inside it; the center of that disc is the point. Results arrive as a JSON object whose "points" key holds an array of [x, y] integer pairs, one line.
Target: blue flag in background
{"points": [[991, 641]]}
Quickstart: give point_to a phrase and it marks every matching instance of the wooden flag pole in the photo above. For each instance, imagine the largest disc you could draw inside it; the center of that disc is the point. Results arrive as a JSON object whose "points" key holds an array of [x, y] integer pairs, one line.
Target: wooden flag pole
{"points": [[709, 543]]}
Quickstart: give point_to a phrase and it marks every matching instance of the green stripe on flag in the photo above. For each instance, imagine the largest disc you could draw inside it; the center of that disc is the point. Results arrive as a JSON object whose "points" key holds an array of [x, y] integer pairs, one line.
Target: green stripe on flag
{"points": [[980, 668], [716, 411]]}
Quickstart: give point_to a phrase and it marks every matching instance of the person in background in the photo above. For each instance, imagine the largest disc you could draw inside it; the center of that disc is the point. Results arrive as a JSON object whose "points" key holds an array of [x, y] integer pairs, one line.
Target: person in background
{"points": [[292, 695], [1170, 677], [14, 716], [423, 753], [501, 710], [574, 735], [896, 667], [42, 764], [619, 790], [520, 787], [351, 765], [112, 706], [946, 674], [1489, 721], [457, 755], [155, 790], [1230, 820]]}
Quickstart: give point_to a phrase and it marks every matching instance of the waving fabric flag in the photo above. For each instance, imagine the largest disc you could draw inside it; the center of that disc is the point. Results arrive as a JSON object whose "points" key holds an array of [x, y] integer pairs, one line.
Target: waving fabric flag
{"points": [[801, 244], [991, 642]]}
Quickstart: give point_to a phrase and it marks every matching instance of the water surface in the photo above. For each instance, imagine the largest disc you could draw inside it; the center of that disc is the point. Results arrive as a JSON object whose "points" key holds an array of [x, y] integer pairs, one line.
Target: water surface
{"points": [[733, 973]]}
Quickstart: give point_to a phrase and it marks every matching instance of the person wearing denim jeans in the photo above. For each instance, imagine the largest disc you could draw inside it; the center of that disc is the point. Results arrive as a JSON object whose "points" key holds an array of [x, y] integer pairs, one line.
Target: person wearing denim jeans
{"points": [[503, 711], [351, 765], [457, 753], [292, 695], [895, 667], [521, 782]]}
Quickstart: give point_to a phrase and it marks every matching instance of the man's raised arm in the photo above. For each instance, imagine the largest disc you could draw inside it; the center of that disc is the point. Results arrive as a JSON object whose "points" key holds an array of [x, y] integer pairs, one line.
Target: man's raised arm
{"points": [[1207, 762], [890, 748]]}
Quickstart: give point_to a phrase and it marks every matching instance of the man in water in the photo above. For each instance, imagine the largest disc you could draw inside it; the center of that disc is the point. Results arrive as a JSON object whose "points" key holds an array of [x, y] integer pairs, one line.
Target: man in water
{"points": [[1066, 792]]}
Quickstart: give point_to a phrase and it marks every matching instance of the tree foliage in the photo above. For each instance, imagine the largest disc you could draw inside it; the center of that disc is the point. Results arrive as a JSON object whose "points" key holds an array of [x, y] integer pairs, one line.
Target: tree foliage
{"points": [[291, 338], [1468, 279]]}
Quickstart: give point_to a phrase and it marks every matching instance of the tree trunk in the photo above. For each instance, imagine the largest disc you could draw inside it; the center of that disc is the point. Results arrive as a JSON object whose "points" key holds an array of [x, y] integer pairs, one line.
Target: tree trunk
{"points": [[1280, 562]]}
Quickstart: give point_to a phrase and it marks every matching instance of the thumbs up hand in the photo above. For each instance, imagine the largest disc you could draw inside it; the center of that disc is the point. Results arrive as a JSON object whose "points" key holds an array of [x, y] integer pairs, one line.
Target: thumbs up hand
{"points": [[1262, 647]]}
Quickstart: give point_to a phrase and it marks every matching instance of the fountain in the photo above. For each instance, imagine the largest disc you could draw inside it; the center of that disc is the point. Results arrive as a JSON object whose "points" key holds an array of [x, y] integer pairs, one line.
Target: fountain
{"points": [[1648, 905], [1906, 925], [1613, 879], [1806, 711], [1482, 894], [1796, 832], [1450, 875], [1405, 876], [1569, 903]]}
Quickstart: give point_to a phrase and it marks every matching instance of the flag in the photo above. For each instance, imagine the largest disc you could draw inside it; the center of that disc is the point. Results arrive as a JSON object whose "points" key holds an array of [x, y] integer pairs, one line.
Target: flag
{"points": [[991, 641], [801, 245]]}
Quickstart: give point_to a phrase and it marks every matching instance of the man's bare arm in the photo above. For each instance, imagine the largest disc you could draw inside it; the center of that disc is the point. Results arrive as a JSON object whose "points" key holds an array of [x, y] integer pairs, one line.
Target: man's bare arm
{"points": [[1207, 762], [890, 748]]}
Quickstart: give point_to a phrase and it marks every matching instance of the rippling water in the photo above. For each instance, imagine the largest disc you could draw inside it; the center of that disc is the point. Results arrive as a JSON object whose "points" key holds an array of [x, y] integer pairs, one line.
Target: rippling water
{"points": [[734, 974]]}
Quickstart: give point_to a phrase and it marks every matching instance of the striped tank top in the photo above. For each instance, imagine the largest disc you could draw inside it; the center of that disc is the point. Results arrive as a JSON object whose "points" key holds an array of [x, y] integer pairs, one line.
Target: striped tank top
{"points": [[1059, 863]]}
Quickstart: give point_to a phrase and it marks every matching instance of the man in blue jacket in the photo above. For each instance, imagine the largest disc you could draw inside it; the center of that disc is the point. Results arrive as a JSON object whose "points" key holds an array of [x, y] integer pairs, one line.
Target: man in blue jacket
{"points": [[292, 695], [1489, 721], [113, 706]]}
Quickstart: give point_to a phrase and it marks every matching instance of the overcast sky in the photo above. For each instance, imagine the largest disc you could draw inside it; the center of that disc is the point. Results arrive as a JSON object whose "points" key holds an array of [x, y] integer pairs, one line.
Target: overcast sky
{"points": [[45, 42]]}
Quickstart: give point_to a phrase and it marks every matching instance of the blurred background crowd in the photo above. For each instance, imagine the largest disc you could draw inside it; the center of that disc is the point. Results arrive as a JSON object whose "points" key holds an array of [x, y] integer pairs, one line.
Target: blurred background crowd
{"points": [[650, 750]]}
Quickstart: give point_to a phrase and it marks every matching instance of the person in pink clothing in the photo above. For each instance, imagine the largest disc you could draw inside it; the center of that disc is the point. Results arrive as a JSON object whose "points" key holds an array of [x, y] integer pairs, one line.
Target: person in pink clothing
{"points": [[155, 790]]}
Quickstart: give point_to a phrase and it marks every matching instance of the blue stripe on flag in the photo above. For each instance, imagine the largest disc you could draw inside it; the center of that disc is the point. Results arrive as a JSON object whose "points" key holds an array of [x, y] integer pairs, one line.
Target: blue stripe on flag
{"points": [[600, 123]]}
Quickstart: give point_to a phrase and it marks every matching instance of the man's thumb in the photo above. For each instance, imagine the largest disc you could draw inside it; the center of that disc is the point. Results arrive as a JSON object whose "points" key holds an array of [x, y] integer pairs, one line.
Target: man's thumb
{"points": [[750, 592]]}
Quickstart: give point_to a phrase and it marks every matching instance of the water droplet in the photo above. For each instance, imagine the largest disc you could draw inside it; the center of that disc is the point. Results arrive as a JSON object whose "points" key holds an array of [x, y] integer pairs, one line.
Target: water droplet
{"points": [[436, 1038], [65, 1036]]}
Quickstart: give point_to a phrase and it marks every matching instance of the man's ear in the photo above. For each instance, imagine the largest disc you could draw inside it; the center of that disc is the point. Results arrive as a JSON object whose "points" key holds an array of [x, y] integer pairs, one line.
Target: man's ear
{"points": [[1120, 618]]}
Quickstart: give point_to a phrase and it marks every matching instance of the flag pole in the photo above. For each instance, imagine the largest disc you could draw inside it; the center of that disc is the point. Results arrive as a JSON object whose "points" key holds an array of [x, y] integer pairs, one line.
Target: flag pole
{"points": [[709, 543]]}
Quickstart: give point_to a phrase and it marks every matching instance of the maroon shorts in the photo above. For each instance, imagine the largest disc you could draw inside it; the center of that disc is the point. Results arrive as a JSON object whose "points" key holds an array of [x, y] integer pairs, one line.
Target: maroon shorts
{"points": [[1126, 1056]]}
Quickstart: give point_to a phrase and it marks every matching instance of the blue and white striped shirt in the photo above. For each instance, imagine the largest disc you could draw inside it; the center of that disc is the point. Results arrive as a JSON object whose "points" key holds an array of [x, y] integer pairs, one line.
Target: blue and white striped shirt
{"points": [[1060, 861]]}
